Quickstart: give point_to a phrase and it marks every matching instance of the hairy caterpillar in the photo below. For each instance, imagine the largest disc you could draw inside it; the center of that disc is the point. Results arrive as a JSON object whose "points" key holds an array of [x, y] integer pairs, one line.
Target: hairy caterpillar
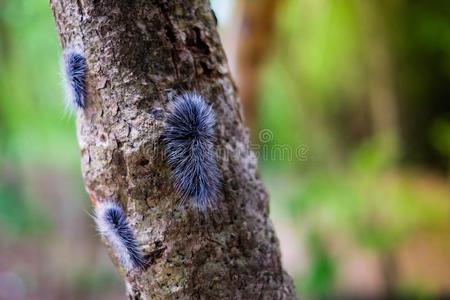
{"points": [[113, 226], [189, 148], [74, 77]]}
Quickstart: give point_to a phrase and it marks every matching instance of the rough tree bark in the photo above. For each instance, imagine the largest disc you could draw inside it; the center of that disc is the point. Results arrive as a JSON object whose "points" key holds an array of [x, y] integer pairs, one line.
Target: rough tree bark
{"points": [[140, 54]]}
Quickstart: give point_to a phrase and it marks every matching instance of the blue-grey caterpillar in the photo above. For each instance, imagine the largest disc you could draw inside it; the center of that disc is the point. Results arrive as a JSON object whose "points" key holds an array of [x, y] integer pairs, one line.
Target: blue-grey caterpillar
{"points": [[113, 227], [189, 148], [74, 77]]}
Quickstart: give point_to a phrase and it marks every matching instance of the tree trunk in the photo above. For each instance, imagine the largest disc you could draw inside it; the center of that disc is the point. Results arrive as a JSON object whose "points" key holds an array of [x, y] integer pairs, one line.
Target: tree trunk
{"points": [[140, 54], [380, 75], [255, 39]]}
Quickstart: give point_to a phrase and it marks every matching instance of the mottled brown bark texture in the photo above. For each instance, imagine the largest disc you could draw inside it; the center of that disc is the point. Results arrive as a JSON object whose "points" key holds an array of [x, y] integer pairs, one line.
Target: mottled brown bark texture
{"points": [[140, 54]]}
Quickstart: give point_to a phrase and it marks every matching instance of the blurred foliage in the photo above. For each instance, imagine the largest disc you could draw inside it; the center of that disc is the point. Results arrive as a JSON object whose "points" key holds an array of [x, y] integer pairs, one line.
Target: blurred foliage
{"points": [[322, 271], [34, 131], [316, 92], [18, 217], [31, 111]]}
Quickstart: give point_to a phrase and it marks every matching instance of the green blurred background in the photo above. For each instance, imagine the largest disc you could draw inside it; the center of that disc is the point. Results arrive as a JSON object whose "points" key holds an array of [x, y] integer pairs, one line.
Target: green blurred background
{"points": [[352, 96]]}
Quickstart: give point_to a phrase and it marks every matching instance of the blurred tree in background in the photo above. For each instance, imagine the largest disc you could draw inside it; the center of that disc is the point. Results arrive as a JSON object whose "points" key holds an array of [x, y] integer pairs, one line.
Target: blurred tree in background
{"points": [[356, 97]]}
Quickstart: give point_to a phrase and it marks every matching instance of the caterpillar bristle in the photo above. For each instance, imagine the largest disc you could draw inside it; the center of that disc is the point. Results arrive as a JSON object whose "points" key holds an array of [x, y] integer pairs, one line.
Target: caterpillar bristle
{"points": [[113, 227], [74, 76], [189, 148]]}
